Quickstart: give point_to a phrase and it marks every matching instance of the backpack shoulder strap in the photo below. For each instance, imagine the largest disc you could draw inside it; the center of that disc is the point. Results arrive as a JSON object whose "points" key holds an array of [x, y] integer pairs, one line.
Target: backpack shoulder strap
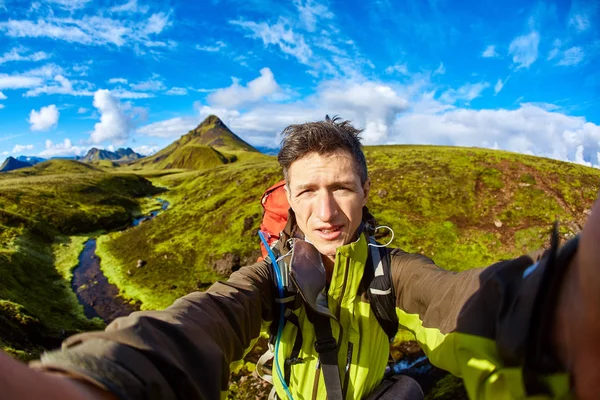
{"points": [[380, 292]]}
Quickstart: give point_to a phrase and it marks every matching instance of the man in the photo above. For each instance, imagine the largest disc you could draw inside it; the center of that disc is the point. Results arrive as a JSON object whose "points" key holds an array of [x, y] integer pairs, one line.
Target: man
{"points": [[514, 329]]}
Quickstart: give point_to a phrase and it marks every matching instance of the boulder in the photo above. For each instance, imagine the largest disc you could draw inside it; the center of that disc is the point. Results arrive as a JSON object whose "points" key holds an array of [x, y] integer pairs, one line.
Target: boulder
{"points": [[226, 265], [140, 263]]}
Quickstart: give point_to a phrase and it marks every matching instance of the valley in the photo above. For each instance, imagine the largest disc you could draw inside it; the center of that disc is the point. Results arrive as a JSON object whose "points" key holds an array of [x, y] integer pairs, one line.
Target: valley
{"points": [[463, 207]]}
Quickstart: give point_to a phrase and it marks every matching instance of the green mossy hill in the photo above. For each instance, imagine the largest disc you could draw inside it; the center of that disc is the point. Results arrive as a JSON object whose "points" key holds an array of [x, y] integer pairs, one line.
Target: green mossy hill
{"points": [[210, 226], [37, 305], [213, 132], [54, 167], [463, 207], [210, 145], [469, 207], [71, 203]]}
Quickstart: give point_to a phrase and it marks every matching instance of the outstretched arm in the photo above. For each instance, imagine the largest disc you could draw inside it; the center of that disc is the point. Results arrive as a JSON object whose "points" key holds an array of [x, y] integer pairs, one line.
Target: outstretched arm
{"points": [[577, 323], [517, 328], [181, 352], [18, 381]]}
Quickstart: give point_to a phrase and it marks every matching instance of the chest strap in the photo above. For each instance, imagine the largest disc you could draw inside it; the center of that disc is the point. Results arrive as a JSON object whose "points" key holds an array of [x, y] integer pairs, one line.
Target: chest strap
{"points": [[327, 348]]}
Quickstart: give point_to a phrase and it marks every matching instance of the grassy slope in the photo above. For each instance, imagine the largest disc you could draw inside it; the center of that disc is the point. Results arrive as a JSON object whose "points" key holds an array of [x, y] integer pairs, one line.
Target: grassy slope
{"points": [[205, 221], [449, 203], [443, 202], [37, 213]]}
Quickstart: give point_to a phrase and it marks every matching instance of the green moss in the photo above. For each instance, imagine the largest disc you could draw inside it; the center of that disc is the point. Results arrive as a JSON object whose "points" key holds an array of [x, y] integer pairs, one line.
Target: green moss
{"points": [[66, 254], [449, 387]]}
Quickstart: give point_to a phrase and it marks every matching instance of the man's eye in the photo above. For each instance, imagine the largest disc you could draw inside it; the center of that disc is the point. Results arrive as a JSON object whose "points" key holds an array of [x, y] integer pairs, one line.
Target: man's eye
{"points": [[343, 189], [304, 192]]}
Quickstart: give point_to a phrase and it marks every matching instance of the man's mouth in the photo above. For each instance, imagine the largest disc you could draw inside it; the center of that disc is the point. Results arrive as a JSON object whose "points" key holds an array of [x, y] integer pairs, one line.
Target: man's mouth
{"points": [[330, 233]]}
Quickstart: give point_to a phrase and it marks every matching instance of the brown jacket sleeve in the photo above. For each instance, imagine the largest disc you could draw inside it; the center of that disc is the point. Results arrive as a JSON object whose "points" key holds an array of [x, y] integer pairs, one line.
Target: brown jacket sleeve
{"points": [[493, 320], [182, 352], [435, 294]]}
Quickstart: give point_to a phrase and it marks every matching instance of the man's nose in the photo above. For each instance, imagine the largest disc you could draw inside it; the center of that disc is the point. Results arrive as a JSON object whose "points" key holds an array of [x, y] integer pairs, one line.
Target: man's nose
{"points": [[327, 207]]}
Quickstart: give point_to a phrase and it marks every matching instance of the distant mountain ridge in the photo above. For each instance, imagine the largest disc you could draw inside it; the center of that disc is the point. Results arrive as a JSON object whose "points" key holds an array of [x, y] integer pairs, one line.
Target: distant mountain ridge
{"points": [[209, 145], [11, 163], [122, 154], [31, 159]]}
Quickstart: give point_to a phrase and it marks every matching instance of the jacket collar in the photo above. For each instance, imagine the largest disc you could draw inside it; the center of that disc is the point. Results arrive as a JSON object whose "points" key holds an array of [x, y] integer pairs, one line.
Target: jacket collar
{"points": [[306, 266]]}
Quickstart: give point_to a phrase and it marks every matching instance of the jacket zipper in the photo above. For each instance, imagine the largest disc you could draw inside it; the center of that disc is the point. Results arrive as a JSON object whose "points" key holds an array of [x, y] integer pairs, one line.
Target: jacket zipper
{"points": [[316, 382], [341, 335], [347, 372]]}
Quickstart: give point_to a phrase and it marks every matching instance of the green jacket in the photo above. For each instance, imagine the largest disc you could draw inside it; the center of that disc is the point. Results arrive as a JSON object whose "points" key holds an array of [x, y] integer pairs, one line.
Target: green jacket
{"points": [[475, 324]]}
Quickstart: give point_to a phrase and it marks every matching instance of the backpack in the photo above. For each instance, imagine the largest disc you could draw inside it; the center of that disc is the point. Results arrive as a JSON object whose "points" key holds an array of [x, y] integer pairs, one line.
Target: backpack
{"points": [[275, 214], [377, 280]]}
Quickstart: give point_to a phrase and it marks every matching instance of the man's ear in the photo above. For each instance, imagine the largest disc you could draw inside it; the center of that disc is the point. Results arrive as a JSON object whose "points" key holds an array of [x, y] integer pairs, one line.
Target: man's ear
{"points": [[366, 190]]}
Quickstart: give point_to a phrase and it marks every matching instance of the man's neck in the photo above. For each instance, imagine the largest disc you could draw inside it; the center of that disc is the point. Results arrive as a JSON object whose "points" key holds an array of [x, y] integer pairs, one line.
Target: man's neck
{"points": [[328, 263]]}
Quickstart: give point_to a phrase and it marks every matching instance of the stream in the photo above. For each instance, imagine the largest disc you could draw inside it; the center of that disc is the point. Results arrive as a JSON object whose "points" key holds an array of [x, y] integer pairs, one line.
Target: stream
{"points": [[99, 297]]}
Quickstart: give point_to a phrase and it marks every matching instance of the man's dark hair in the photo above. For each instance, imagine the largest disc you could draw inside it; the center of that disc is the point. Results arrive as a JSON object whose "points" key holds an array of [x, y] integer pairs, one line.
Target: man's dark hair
{"points": [[322, 137]]}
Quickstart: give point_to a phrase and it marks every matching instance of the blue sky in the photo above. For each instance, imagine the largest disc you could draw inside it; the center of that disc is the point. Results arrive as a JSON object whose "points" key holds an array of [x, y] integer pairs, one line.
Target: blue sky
{"points": [[515, 75]]}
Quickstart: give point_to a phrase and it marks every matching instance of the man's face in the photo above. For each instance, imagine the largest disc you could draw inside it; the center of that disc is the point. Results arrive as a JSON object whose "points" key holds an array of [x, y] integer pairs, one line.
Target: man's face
{"points": [[327, 197]]}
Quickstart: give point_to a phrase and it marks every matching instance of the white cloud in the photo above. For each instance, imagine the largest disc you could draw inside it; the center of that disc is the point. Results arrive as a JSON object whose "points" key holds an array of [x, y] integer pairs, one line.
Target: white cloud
{"points": [[528, 129], [214, 48], [118, 80], [65, 149], [372, 105], [280, 35], [115, 125], [127, 94], [82, 69], [490, 52], [572, 56], [170, 128], [17, 54], [46, 71], [44, 119], [177, 91], [146, 150], [524, 49], [310, 12], [400, 68], [93, 30], [18, 81], [236, 94], [131, 6], [19, 148], [4, 153], [580, 22], [499, 85], [153, 84], [70, 4], [2, 96], [82, 110], [441, 70], [60, 85], [1, 106], [156, 24], [466, 92]]}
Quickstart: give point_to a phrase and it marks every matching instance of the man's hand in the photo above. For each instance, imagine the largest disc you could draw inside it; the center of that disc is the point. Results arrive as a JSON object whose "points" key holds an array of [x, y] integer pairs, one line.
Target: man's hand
{"points": [[578, 315], [18, 381]]}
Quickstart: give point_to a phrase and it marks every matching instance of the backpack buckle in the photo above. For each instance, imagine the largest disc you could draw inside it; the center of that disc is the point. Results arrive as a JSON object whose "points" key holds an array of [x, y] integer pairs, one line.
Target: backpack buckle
{"points": [[325, 345]]}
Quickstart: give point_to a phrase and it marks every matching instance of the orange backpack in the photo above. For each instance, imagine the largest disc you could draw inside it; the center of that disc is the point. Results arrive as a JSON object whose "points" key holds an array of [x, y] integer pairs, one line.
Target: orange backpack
{"points": [[275, 215]]}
